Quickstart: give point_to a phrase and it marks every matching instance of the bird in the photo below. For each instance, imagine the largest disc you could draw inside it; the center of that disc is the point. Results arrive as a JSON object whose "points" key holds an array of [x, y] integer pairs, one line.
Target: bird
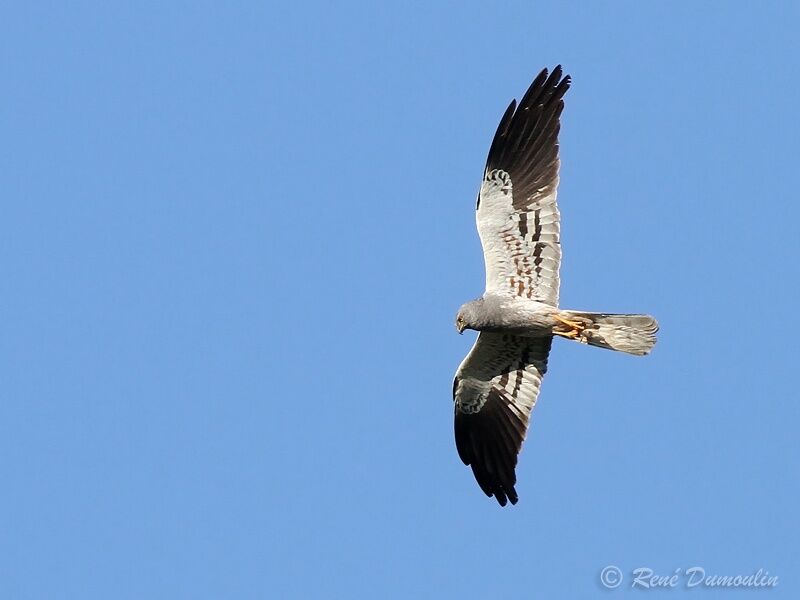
{"points": [[518, 316]]}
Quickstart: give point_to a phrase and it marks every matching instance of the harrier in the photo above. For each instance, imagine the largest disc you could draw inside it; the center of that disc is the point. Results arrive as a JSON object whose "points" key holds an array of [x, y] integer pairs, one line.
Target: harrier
{"points": [[497, 384]]}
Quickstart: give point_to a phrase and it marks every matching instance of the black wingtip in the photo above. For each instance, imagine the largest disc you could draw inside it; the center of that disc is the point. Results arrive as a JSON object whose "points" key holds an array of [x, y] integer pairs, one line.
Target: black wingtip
{"points": [[503, 498], [489, 441]]}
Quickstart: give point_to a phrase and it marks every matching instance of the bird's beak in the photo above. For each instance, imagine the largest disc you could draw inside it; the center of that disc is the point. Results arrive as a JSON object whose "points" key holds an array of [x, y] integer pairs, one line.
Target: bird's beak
{"points": [[460, 329]]}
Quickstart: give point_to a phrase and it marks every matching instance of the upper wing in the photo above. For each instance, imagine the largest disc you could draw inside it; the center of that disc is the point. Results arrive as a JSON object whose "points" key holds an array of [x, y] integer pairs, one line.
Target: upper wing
{"points": [[517, 215], [494, 391]]}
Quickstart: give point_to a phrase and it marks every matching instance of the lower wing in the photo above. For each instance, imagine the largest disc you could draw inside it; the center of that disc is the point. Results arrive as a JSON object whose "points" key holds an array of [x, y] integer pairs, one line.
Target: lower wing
{"points": [[494, 392]]}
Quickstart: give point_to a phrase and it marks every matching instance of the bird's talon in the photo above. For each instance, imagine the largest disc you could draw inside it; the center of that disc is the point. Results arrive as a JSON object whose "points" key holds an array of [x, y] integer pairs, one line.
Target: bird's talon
{"points": [[572, 330]]}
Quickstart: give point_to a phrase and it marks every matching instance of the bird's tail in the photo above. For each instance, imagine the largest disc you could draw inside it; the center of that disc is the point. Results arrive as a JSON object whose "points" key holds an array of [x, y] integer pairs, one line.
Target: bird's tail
{"points": [[634, 334]]}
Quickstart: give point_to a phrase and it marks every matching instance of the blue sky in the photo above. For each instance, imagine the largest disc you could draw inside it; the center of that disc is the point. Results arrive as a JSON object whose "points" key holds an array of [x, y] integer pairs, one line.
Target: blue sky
{"points": [[233, 241]]}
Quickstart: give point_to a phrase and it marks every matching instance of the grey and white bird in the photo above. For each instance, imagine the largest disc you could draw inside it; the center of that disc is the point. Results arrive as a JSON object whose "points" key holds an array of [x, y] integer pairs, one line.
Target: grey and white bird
{"points": [[497, 384]]}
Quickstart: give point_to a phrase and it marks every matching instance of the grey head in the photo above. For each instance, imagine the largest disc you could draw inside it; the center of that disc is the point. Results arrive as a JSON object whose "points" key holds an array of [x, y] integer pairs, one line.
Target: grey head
{"points": [[471, 315]]}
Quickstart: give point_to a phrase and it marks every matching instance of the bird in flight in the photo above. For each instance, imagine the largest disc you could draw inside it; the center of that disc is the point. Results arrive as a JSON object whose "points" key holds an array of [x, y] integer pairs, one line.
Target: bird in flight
{"points": [[496, 386]]}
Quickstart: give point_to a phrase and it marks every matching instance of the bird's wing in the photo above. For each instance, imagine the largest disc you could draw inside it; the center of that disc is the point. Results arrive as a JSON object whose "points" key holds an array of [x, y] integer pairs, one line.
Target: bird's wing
{"points": [[494, 392], [517, 215]]}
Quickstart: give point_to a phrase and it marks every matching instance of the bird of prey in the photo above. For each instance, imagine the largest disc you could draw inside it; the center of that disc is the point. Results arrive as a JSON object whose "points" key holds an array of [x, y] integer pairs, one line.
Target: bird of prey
{"points": [[496, 386]]}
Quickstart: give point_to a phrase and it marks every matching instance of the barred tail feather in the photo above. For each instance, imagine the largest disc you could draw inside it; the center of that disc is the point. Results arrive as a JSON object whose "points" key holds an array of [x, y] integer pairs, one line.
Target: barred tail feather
{"points": [[633, 334]]}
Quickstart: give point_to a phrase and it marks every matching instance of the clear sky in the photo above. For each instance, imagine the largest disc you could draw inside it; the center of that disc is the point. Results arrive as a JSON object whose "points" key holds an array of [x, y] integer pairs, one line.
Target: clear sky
{"points": [[233, 240]]}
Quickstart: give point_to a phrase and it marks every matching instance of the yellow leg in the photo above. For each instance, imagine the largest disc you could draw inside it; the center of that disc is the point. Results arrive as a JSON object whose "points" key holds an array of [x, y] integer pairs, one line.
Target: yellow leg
{"points": [[574, 329], [572, 334], [572, 324]]}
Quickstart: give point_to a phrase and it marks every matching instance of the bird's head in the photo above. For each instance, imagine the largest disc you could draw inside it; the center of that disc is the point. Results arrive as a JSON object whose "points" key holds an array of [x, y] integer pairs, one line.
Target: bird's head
{"points": [[460, 322], [467, 316]]}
